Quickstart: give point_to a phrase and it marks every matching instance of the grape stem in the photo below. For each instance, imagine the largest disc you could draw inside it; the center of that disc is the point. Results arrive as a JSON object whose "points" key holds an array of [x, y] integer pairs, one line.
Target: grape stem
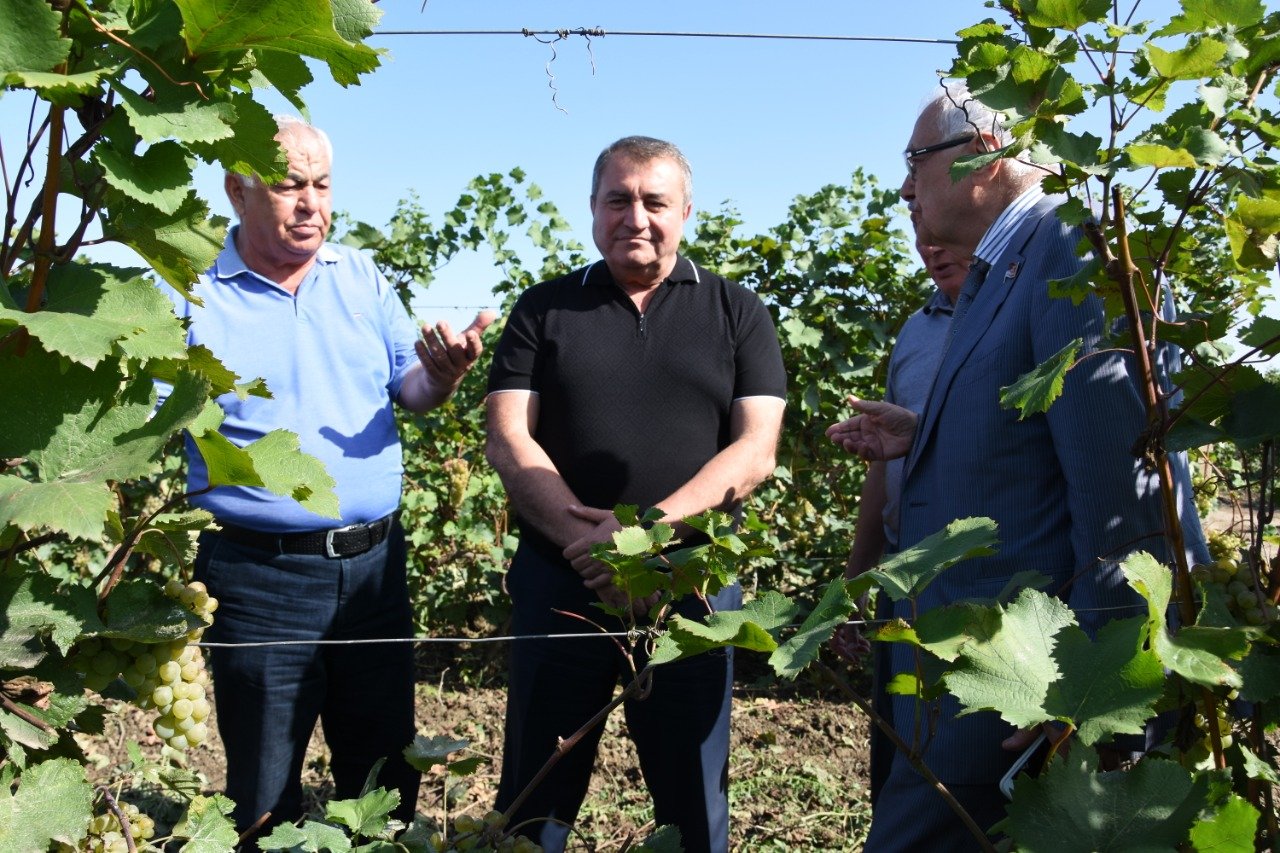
{"points": [[125, 829]]}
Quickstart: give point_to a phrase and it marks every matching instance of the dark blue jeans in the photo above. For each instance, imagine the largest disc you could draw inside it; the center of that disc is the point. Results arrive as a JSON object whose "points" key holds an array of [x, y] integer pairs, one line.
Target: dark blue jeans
{"points": [[268, 698], [681, 730]]}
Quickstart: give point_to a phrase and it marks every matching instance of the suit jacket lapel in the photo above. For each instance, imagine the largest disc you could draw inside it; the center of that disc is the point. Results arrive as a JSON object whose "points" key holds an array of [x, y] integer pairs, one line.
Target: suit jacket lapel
{"points": [[970, 328]]}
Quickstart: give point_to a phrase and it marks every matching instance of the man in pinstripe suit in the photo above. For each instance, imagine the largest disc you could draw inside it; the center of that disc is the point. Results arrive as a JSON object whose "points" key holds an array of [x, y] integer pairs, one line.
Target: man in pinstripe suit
{"points": [[1070, 497]]}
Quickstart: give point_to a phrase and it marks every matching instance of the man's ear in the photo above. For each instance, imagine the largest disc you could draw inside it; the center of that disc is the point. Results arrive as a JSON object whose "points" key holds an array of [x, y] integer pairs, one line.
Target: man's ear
{"points": [[234, 188]]}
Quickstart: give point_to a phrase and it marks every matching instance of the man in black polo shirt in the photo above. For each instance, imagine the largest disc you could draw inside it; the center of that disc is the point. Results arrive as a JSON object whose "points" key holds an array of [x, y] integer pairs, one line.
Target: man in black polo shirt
{"points": [[644, 380]]}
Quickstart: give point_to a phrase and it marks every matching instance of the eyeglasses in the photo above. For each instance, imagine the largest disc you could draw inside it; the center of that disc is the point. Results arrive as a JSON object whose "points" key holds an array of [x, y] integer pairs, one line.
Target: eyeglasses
{"points": [[911, 154]]}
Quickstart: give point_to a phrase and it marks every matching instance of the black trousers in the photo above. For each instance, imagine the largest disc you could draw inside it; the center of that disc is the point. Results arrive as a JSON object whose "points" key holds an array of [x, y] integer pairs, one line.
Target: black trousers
{"points": [[681, 730]]}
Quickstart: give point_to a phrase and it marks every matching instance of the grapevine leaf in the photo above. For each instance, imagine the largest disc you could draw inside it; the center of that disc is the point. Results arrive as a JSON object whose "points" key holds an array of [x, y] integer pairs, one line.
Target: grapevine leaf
{"points": [[160, 177], [201, 360], [286, 470], [945, 630], [90, 309], [76, 509], [1260, 673], [1010, 672], [1256, 768], [748, 628], [293, 26], [1078, 285], [1198, 59], [1197, 16], [1197, 654], [1230, 829], [30, 40], [311, 837], [20, 732], [355, 19], [796, 653], [908, 572], [64, 90], [427, 752], [207, 827], [1034, 392], [366, 815], [179, 246], [1064, 14], [53, 393], [1142, 810], [287, 73], [466, 766], [1154, 155], [1255, 414], [177, 114], [34, 608], [52, 803], [1108, 686], [665, 839], [631, 541], [1263, 333], [139, 610], [251, 149], [903, 684], [226, 464]]}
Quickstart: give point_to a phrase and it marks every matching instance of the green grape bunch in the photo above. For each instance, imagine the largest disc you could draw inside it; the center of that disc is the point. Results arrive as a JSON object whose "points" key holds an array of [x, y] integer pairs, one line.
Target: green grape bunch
{"points": [[481, 835], [106, 835], [1248, 604], [168, 677], [459, 473]]}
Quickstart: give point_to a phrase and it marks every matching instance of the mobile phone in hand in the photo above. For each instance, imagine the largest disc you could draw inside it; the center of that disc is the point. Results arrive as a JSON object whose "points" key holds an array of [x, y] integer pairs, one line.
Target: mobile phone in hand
{"points": [[1030, 761]]}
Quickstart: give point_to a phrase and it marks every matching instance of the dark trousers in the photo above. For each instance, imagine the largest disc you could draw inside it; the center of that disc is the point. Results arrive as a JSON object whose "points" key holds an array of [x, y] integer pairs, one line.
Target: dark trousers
{"points": [[910, 817], [681, 730], [268, 698]]}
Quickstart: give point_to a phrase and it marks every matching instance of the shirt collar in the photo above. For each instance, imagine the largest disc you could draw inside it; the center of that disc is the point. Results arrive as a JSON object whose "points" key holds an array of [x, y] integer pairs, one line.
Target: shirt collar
{"points": [[229, 264], [997, 238], [939, 302], [684, 270]]}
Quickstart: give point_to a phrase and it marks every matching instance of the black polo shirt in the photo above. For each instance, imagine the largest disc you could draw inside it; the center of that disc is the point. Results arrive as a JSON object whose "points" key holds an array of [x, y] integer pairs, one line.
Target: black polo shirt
{"points": [[632, 405]]}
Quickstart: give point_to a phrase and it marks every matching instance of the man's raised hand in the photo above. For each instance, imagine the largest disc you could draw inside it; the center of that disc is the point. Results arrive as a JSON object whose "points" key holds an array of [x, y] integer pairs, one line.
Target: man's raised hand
{"points": [[879, 431], [447, 357]]}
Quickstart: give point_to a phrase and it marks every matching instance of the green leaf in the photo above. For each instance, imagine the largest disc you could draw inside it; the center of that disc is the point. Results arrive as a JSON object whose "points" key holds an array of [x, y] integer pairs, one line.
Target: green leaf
{"points": [[76, 509], [311, 837], [139, 610], [92, 309], [1108, 686], [286, 470], [179, 246], [796, 653], [908, 572], [1195, 653], [34, 609], [1142, 810], [365, 816], [466, 766], [52, 803], [1263, 334], [1010, 671], [287, 73], [748, 628], [945, 630], [1255, 413], [177, 113], [1200, 15], [1260, 674], [251, 149], [30, 39], [227, 464], [1198, 59], [1034, 392], [665, 839], [1252, 228], [207, 827], [427, 752], [631, 541], [294, 26], [1159, 156], [1230, 829], [160, 177], [1078, 286], [1064, 14]]}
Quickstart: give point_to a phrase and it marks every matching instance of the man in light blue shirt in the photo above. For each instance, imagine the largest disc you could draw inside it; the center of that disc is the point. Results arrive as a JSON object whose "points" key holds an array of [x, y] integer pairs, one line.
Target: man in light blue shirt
{"points": [[336, 347]]}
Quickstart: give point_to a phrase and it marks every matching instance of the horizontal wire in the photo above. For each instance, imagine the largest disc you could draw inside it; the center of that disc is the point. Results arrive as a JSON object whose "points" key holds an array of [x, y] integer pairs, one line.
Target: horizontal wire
{"points": [[598, 32], [860, 623]]}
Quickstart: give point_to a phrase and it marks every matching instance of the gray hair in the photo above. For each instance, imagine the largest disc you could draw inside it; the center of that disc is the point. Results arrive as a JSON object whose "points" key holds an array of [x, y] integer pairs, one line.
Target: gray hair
{"points": [[642, 149], [956, 112], [292, 127]]}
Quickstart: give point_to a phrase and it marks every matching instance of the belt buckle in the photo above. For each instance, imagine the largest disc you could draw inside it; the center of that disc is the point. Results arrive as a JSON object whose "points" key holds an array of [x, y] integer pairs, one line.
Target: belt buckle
{"points": [[328, 539]]}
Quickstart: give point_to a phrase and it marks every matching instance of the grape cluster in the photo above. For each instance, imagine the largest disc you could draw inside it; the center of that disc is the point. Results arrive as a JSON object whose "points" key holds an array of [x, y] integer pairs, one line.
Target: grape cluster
{"points": [[1246, 603], [1205, 489], [169, 677], [481, 835], [107, 836], [1201, 752], [459, 473]]}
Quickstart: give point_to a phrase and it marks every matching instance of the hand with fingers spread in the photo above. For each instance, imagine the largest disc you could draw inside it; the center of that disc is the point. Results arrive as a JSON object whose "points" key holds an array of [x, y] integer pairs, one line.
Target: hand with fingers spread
{"points": [[447, 357], [879, 431]]}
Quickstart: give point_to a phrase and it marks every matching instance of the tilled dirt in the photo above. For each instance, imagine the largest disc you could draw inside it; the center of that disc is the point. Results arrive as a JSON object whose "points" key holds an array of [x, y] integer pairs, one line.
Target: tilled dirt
{"points": [[797, 773]]}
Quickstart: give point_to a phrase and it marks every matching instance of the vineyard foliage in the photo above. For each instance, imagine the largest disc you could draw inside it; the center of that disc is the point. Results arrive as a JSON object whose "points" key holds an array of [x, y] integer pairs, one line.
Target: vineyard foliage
{"points": [[1175, 183]]}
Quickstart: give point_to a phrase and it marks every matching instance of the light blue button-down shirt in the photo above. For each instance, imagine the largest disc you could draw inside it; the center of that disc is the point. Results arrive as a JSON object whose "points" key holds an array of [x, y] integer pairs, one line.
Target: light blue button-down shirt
{"points": [[333, 355]]}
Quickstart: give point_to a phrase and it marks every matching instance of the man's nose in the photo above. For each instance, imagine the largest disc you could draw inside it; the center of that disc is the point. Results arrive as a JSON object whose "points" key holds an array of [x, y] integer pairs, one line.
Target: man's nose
{"points": [[908, 188], [636, 216], [307, 197]]}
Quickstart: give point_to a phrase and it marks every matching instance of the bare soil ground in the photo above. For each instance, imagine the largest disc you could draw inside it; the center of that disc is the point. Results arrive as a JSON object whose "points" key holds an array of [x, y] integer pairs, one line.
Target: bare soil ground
{"points": [[798, 768]]}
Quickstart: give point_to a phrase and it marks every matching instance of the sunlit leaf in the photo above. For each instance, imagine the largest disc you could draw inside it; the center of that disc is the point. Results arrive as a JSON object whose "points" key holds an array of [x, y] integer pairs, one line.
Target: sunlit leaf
{"points": [[1034, 392], [1229, 829], [909, 571], [52, 803], [797, 652], [749, 628]]}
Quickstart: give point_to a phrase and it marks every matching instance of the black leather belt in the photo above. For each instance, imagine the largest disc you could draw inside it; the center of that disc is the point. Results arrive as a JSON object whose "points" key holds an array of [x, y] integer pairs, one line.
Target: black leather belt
{"points": [[339, 542]]}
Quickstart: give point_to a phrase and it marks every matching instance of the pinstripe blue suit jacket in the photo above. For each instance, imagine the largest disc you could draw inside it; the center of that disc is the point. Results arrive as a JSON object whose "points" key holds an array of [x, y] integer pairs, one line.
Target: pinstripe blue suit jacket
{"points": [[1065, 488]]}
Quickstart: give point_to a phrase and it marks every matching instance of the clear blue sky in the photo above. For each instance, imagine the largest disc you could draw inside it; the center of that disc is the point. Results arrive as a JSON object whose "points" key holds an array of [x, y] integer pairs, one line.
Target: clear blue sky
{"points": [[760, 120]]}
